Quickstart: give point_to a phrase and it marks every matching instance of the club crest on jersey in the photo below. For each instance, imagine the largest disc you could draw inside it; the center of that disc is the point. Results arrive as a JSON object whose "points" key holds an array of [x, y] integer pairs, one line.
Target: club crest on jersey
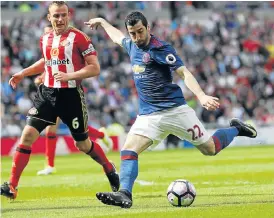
{"points": [[138, 69], [33, 111], [54, 52], [170, 59], [65, 43], [146, 58]]}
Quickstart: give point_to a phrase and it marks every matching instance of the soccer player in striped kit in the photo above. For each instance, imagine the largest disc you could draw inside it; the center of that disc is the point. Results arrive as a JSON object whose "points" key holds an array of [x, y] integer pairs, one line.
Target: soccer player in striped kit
{"points": [[68, 58], [100, 136]]}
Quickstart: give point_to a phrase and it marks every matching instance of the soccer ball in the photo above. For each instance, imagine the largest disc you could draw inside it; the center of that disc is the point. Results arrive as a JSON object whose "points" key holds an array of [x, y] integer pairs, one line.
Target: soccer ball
{"points": [[181, 193]]}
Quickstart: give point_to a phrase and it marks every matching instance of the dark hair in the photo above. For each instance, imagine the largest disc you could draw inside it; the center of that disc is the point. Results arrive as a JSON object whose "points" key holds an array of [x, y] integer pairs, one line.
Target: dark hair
{"points": [[58, 3], [134, 17]]}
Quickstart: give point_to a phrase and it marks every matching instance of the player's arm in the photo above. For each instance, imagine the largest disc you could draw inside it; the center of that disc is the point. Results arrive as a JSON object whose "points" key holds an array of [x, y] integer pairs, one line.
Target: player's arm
{"points": [[209, 102], [34, 69], [115, 34], [39, 79], [91, 69], [190, 81]]}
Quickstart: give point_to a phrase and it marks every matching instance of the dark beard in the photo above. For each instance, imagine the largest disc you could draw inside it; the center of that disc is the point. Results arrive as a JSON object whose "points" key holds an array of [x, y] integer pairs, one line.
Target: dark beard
{"points": [[143, 45]]}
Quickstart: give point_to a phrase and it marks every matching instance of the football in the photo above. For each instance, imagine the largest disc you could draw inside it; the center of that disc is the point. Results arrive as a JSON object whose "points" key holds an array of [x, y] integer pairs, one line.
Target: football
{"points": [[181, 193]]}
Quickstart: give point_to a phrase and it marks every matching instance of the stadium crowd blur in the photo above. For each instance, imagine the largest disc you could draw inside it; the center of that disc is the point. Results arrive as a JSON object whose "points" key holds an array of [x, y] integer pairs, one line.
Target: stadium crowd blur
{"points": [[231, 53]]}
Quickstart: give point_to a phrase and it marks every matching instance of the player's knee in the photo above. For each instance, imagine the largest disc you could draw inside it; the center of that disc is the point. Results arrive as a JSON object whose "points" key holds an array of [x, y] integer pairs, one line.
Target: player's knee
{"points": [[29, 135], [209, 152], [207, 148], [83, 146]]}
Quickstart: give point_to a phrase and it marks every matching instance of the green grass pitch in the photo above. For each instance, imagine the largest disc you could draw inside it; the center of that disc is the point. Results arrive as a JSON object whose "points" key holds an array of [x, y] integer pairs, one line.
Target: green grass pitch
{"points": [[239, 182]]}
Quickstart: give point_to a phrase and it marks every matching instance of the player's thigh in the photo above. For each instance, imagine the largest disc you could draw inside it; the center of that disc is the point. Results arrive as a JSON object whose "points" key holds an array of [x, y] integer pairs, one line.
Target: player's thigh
{"points": [[72, 110], [29, 135], [53, 128], [43, 112], [184, 123], [149, 126], [137, 143]]}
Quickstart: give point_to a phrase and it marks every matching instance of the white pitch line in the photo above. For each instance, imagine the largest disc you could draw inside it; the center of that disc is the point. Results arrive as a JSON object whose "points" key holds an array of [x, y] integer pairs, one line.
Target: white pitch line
{"points": [[144, 183]]}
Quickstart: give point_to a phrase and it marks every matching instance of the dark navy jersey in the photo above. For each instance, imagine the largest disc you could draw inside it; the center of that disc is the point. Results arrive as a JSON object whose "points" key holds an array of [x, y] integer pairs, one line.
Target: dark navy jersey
{"points": [[152, 68]]}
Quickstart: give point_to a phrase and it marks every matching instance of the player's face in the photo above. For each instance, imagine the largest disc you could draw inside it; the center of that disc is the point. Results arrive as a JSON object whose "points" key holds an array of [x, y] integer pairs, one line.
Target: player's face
{"points": [[59, 18], [139, 34]]}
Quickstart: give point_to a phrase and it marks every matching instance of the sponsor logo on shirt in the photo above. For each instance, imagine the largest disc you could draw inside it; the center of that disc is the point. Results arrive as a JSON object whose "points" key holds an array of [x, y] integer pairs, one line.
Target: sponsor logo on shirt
{"points": [[138, 69], [52, 62]]}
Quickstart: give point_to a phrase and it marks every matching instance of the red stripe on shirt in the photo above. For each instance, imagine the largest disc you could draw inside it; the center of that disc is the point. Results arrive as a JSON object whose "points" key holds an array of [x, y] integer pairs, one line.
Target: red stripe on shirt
{"points": [[62, 56]]}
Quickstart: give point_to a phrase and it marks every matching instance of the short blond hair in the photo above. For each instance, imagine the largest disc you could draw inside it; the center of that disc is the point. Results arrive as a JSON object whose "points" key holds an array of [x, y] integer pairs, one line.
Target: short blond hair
{"points": [[58, 3]]}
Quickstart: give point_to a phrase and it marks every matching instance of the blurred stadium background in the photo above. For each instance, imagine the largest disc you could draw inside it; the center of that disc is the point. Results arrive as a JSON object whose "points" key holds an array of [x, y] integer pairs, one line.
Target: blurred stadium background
{"points": [[228, 46]]}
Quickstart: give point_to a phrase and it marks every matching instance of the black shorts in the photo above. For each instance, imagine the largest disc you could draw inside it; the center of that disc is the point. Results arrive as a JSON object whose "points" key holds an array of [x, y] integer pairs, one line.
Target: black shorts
{"points": [[67, 103]]}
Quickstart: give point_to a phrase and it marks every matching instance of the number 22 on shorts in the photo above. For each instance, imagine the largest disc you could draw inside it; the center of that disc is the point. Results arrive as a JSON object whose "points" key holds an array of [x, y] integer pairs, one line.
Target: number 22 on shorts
{"points": [[193, 132]]}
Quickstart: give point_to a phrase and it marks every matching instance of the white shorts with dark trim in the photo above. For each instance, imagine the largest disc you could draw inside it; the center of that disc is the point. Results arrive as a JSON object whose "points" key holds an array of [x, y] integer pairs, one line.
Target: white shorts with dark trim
{"points": [[180, 121]]}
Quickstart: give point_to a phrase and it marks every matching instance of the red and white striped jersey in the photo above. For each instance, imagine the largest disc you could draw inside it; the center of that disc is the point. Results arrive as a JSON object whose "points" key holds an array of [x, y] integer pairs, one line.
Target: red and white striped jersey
{"points": [[64, 53]]}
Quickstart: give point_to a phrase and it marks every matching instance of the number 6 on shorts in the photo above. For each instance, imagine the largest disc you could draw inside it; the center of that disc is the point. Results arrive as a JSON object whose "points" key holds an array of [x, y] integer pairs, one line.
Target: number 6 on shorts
{"points": [[75, 123]]}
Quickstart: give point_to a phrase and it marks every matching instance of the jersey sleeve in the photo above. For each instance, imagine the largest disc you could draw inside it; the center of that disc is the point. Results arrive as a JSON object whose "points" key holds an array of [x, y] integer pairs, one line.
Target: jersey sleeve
{"points": [[85, 45], [126, 43], [167, 55]]}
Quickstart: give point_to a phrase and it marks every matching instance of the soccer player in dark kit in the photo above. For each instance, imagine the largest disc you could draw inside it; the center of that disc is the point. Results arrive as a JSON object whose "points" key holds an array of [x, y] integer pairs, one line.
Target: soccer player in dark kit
{"points": [[162, 107]]}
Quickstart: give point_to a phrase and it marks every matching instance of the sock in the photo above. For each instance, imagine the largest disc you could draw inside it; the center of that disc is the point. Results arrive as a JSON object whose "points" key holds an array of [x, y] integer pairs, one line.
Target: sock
{"points": [[94, 133], [223, 137], [20, 161], [129, 169], [50, 148], [97, 154]]}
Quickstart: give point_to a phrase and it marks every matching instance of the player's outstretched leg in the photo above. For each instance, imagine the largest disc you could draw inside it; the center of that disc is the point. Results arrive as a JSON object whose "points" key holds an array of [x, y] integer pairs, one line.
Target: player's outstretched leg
{"points": [[243, 128], [121, 198], [223, 137]]}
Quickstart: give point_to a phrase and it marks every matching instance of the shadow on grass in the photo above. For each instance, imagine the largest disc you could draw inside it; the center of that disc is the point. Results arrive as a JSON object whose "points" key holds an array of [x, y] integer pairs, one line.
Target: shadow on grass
{"points": [[233, 203], [209, 195], [48, 208], [146, 207]]}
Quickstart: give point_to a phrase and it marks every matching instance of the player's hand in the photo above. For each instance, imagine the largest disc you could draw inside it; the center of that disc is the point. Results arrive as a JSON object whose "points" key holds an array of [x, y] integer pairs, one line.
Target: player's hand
{"points": [[38, 80], [210, 103], [94, 23], [16, 79], [61, 77]]}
